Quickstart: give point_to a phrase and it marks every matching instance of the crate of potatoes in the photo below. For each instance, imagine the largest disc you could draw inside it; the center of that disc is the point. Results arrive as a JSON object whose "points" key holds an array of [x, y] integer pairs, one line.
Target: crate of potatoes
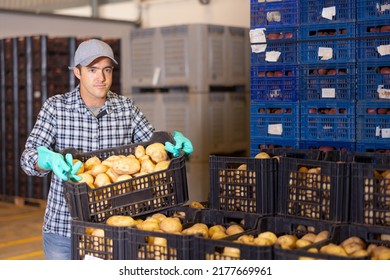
{"points": [[132, 180]]}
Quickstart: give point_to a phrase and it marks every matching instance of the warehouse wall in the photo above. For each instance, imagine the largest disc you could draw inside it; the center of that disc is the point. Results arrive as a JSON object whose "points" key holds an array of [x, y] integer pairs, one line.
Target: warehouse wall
{"points": [[156, 13], [19, 24]]}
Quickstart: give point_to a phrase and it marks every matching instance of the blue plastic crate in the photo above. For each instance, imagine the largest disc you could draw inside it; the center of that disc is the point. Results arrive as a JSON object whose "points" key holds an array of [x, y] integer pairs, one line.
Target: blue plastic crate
{"points": [[371, 83], [372, 9], [274, 120], [326, 145], [279, 13], [274, 83], [327, 81], [369, 38], [311, 11], [276, 52], [328, 120], [342, 51], [328, 31], [259, 143], [373, 121]]}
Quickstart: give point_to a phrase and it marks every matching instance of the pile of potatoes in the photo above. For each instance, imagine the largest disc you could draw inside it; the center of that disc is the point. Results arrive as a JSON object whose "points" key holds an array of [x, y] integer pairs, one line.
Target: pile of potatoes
{"points": [[377, 187], [96, 172], [353, 247], [309, 193], [157, 247]]}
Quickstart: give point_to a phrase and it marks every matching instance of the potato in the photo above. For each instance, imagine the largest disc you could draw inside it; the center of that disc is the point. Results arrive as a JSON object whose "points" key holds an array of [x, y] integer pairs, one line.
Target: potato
{"points": [[102, 179], [123, 177], [149, 225], [88, 179], [126, 165], [234, 229], [159, 216], [269, 235], [157, 152], [246, 239], [353, 239], [198, 228], [262, 155], [196, 204], [120, 221], [162, 165], [321, 236], [287, 241], [262, 241], [302, 243], [91, 162], [112, 175], [81, 169], [139, 151], [111, 159], [231, 252], [333, 249], [147, 166], [309, 237], [218, 235], [98, 168], [216, 228], [171, 225]]}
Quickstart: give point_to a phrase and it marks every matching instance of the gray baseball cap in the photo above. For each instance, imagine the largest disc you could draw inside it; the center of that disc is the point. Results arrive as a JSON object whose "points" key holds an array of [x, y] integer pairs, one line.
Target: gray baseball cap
{"points": [[91, 49]]}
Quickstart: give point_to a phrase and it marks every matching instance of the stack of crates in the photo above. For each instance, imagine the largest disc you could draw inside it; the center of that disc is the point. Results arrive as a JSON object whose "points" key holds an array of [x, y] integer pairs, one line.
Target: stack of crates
{"points": [[32, 69], [274, 106], [327, 74], [373, 76]]}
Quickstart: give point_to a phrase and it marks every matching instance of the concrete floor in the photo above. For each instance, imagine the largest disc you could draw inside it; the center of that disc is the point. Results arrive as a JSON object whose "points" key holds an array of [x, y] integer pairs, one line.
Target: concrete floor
{"points": [[20, 232]]}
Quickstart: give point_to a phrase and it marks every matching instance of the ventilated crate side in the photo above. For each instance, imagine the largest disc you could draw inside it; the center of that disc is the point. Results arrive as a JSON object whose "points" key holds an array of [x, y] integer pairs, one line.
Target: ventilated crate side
{"points": [[373, 81], [328, 120], [326, 11], [321, 193], [259, 143], [250, 189], [373, 121], [274, 13], [334, 81], [274, 120], [140, 195], [97, 241], [274, 83], [372, 9], [370, 193]]}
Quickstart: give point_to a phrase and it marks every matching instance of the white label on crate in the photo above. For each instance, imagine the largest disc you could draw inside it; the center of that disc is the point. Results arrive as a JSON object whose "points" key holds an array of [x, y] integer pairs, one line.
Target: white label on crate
{"points": [[325, 53], [328, 93], [385, 7], [257, 35], [92, 258], [377, 131], [275, 129], [383, 92], [384, 49], [385, 132], [156, 75], [258, 48], [329, 12], [272, 56]]}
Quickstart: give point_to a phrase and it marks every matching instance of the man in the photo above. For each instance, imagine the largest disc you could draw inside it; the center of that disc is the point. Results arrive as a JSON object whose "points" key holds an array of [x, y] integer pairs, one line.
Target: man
{"points": [[88, 118]]}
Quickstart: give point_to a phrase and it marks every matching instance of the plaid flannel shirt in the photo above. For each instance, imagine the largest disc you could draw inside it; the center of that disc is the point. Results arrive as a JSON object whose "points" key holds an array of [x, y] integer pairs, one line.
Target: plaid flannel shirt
{"points": [[65, 122]]}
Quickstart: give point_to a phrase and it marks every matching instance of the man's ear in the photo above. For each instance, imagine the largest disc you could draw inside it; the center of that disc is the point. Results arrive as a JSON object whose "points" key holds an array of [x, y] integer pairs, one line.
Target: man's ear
{"points": [[76, 72]]}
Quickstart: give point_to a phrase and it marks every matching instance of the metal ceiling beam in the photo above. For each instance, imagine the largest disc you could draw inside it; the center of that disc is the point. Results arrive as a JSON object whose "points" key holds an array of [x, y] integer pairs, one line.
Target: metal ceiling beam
{"points": [[51, 5]]}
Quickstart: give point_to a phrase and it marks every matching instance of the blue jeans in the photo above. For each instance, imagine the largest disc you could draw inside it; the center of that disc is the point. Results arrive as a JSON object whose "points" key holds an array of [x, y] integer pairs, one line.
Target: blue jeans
{"points": [[56, 247]]}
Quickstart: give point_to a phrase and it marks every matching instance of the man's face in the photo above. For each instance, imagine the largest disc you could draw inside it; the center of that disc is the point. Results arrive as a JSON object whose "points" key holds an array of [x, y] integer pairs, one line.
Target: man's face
{"points": [[95, 81]]}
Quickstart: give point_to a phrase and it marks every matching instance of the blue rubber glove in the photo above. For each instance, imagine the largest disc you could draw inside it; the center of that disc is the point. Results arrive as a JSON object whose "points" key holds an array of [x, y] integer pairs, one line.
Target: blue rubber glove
{"points": [[49, 160], [74, 167], [182, 143]]}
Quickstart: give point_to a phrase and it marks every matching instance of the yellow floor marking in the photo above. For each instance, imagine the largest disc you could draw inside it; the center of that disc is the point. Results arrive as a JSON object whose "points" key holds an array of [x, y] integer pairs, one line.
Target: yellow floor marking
{"points": [[18, 216], [21, 241], [27, 256]]}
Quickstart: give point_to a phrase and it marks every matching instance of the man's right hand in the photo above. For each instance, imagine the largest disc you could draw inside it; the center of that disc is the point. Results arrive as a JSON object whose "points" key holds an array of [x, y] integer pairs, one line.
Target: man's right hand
{"points": [[49, 160]]}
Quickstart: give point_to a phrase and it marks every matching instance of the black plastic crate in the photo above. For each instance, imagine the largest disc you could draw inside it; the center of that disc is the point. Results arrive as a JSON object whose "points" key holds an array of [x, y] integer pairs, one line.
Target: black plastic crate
{"points": [[250, 190], [213, 249], [368, 234], [97, 241], [370, 191], [295, 153], [140, 195], [157, 245], [322, 195]]}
